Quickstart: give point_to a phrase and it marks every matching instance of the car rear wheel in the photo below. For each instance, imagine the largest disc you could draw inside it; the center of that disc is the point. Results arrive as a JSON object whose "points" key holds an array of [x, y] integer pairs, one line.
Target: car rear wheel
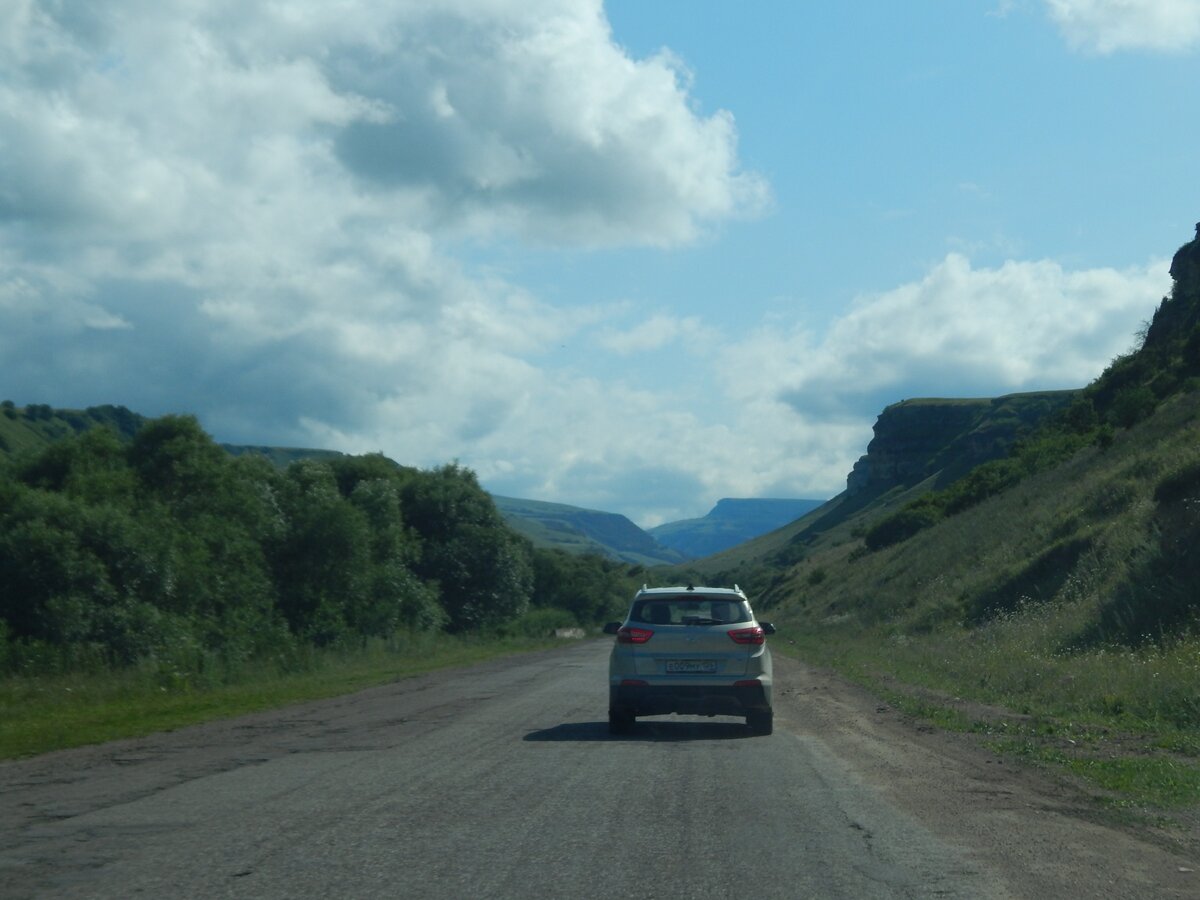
{"points": [[620, 721], [761, 721]]}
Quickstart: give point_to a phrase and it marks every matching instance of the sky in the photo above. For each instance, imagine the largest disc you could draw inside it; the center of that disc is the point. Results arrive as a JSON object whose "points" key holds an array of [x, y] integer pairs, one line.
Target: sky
{"points": [[635, 255]]}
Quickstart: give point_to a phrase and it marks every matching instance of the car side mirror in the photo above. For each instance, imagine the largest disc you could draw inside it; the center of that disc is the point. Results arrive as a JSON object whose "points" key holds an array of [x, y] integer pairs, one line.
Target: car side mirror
{"points": [[612, 627], [767, 627]]}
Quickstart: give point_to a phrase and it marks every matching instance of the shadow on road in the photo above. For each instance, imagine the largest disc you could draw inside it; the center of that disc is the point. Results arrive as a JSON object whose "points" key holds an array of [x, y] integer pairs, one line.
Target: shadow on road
{"points": [[644, 730]]}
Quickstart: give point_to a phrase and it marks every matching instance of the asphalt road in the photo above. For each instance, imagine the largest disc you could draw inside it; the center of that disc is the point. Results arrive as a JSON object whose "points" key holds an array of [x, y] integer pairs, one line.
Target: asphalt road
{"points": [[502, 781]]}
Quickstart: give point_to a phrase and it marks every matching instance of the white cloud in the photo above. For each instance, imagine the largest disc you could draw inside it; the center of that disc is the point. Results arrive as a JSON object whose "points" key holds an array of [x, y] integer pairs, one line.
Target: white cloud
{"points": [[797, 407], [257, 213], [657, 332], [1105, 26], [252, 212], [960, 332]]}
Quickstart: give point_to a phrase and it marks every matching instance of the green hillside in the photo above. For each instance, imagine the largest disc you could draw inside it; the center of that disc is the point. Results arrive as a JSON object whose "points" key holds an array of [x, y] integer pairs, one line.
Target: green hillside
{"points": [[576, 530], [919, 445], [1048, 598], [729, 523], [31, 428], [281, 457]]}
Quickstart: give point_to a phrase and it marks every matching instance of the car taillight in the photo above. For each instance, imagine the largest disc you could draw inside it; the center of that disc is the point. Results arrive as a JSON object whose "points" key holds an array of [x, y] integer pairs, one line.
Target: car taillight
{"points": [[753, 635], [629, 635]]}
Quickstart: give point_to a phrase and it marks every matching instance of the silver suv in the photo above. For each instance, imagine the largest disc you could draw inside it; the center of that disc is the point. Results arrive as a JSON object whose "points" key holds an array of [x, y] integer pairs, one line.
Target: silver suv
{"points": [[694, 650]]}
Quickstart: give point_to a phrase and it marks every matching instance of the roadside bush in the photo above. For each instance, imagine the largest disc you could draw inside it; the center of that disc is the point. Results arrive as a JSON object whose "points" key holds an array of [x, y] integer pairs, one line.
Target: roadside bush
{"points": [[539, 623], [155, 547], [1131, 405], [592, 589], [902, 525], [1183, 484], [984, 481]]}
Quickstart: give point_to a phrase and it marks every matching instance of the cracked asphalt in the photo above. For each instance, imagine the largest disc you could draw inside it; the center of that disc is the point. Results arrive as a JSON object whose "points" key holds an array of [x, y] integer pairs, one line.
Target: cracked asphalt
{"points": [[501, 780]]}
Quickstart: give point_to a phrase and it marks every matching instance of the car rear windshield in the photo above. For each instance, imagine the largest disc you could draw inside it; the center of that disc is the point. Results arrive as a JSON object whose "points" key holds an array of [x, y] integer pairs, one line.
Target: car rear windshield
{"points": [[690, 610]]}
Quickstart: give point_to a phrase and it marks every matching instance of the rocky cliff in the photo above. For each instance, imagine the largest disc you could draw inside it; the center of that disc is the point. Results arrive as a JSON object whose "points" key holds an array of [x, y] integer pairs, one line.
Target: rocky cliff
{"points": [[1178, 317], [917, 439]]}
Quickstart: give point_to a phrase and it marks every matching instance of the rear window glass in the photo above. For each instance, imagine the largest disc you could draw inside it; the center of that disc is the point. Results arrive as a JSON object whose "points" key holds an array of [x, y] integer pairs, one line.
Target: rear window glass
{"points": [[690, 610]]}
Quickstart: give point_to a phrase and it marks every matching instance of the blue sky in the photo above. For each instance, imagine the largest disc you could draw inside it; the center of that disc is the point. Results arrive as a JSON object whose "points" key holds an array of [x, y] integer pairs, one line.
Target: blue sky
{"points": [[635, 256]]}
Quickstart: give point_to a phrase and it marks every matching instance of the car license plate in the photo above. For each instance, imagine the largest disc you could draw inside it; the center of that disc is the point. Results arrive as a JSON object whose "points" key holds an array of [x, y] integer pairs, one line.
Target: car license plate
{"points": [[694, 666]]}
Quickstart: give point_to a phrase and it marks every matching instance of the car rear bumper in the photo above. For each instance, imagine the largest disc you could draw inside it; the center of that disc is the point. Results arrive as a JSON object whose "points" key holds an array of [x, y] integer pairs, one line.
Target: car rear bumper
{"points": [[692, 699]]}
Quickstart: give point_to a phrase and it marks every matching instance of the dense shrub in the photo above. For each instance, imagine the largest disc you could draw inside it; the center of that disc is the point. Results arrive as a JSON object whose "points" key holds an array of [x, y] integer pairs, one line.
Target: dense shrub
{"points": [[902, 525], [590, 588], [1183, 484], [1131, 405], [163, 547], [1159, 598]]}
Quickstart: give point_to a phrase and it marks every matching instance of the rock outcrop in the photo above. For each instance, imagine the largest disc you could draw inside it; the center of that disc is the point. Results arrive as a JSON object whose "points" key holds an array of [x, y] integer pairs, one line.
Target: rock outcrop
{"points": [[1178, 316], [917, 439]]}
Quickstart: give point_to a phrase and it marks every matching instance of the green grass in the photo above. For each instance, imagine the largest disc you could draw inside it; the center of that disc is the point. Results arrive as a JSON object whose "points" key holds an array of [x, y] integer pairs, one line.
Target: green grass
{"points": [[1131, 781], [39, 714], [1123, 721], [971, 612]]}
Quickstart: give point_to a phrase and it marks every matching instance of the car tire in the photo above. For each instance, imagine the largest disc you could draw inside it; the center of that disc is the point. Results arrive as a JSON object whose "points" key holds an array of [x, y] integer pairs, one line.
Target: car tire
{"points": [[620, 721], [761, 721]]}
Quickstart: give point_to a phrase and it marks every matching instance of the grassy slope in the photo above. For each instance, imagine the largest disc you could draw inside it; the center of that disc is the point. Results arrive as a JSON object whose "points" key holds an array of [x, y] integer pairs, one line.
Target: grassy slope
{"points": [[29, 429], [997, 607], [282, 457], [762, 561], [577, 530]]}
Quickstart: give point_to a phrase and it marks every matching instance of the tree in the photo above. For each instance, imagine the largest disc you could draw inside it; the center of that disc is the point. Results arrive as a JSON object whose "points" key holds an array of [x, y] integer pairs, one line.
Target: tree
{"points": [[481, 567], [176, 460], [395, 597], [321, 562]]}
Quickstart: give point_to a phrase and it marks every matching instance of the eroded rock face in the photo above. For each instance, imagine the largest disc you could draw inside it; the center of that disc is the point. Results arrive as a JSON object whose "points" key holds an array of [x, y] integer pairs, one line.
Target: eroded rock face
{"points": [[916, 439], [908, 435], [1179, 314], [1185, 267]]}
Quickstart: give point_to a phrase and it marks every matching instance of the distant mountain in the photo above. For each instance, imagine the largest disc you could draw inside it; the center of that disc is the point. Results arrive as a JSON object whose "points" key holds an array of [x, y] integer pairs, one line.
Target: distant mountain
{"points": [[729, 523], [578, 530]]}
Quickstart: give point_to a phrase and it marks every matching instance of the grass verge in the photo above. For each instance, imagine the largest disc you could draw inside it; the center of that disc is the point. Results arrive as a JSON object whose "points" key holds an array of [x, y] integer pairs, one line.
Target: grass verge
{"points": [[39, 714], [1131, 755]]}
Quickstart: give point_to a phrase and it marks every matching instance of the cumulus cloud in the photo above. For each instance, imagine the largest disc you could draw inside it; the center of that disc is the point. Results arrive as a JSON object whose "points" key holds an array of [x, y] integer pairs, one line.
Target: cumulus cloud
{"points": [[795, 407], [1105, 26], [263, 214], [657, 332], [254, 212], [963, 332]]}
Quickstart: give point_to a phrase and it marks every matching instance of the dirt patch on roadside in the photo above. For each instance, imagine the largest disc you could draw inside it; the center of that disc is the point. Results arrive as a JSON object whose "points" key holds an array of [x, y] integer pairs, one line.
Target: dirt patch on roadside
{"points": [[1050, 833], [1179, 827]]}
